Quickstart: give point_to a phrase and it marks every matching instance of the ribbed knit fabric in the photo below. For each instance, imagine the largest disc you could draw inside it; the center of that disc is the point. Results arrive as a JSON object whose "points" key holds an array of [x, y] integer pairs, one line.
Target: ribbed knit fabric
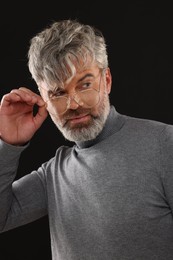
{"points": [[106, 199]]}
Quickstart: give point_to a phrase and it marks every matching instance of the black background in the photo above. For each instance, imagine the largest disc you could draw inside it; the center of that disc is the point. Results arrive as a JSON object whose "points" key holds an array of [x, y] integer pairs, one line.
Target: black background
{"points": [[140, 46]]}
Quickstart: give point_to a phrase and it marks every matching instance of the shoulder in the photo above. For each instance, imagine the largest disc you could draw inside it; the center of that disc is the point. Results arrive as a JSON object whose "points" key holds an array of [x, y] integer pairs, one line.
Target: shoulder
{"points": [[146, 131], [63, 152], [147, 125]]}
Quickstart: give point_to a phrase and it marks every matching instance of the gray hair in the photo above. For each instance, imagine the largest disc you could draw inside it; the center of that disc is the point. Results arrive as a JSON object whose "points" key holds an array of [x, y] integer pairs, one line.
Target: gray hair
{"points": [[56, 52]]}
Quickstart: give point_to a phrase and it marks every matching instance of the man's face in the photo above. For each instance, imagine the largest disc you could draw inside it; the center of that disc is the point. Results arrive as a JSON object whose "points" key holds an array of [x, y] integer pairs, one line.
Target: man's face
{"points": [[80, 122]]}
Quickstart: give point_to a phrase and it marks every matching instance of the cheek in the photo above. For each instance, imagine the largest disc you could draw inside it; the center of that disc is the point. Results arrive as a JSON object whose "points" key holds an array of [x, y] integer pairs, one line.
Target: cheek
{"points": [[95, 111], [58, 120]]}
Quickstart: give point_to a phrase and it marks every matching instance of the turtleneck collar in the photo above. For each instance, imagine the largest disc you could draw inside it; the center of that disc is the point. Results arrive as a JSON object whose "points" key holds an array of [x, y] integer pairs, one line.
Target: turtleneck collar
{"points": [[113, 124]]}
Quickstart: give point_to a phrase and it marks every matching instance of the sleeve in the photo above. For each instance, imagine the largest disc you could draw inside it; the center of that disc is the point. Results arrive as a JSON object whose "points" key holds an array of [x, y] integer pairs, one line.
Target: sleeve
{"points": [[166, 148], [21, 201]]}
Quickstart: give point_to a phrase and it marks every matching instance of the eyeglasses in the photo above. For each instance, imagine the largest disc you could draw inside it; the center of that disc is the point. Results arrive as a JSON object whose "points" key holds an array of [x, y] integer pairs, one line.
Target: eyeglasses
{"points": [[86, 95]]}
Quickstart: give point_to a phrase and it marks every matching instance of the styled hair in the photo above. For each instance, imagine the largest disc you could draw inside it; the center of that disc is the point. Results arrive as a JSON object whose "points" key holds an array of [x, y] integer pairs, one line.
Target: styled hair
{"points": [[57, 51]]}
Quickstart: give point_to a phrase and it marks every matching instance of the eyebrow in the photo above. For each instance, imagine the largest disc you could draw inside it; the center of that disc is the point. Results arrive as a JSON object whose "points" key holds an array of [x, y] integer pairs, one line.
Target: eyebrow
{"points": [[85, 76], [80, 80]]}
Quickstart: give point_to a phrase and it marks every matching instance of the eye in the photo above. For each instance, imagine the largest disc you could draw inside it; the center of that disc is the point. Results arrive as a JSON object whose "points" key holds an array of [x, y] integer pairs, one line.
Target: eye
{"points": [[85, 85], [56, 94]]}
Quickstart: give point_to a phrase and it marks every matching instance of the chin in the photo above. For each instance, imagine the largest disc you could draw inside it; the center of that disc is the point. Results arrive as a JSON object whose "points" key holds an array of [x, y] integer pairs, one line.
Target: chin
{"points": [[83, 132]]}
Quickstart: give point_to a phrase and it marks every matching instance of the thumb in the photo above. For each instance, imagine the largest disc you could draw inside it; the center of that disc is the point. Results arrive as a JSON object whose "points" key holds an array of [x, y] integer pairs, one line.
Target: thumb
{"points": [[40, 116]]}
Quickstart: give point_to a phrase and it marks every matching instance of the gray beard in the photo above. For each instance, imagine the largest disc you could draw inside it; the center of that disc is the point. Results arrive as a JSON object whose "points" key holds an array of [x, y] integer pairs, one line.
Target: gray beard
{"points": [[89, 132]]}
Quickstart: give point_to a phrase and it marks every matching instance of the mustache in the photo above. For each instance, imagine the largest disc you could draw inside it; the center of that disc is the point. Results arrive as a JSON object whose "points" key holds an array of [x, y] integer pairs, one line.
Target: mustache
{"points": [[72, 113]]}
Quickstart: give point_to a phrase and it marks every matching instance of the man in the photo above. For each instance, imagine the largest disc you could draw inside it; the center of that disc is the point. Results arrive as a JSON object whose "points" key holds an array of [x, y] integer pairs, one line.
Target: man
{"points": [[110, 195]]}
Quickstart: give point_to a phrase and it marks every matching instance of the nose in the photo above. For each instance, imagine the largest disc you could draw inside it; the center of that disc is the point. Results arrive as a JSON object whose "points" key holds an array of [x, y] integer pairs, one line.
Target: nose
{"points": [[73, 102]]}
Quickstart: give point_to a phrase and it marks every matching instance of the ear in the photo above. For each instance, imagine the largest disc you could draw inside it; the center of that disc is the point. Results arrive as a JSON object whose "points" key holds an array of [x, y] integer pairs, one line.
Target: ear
{"points": [[108, 79]]}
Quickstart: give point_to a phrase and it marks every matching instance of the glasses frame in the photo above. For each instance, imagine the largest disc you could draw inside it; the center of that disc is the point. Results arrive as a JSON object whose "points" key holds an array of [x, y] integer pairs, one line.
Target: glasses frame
{"points": [[75, 97]]}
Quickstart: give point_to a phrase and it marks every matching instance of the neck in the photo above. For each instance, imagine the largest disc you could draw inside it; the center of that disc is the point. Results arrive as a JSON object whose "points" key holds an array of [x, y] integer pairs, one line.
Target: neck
{"points": [[112, 125]]}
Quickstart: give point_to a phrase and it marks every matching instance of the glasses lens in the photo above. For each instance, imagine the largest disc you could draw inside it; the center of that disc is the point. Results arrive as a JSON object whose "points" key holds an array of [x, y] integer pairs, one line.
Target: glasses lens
{"points": [[89, 97], [57, 105]]}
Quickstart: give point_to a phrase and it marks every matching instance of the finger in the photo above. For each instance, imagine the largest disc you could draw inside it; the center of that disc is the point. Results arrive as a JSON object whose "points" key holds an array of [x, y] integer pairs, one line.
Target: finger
{"points": [[28, 91], [10, 98], [39, 99], [24, 97], [17, 96], [40, 116], [28, 96]]}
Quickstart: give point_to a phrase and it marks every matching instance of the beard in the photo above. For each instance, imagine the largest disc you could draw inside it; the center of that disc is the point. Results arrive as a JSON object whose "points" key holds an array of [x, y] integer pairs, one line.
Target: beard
{"points": [[84, 131]]}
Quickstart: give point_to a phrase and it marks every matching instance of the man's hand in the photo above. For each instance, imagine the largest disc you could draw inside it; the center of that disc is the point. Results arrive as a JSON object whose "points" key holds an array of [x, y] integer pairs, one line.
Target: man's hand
{"points": [[17, 121]]}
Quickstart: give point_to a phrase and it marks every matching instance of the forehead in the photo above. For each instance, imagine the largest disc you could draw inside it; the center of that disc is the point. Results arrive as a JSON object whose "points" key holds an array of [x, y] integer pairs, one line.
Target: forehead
{"points": [[81, 72]]}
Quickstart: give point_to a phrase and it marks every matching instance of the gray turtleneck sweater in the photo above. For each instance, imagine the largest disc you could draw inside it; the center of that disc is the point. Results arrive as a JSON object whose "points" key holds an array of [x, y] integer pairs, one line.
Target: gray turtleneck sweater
{"points": [[106, 199]]}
